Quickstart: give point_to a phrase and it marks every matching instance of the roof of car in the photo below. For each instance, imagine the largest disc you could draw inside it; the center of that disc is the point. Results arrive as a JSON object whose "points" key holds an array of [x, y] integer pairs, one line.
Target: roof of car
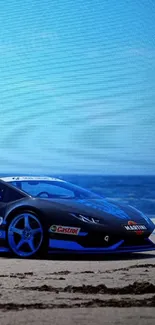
{"points": [[29, 178]]}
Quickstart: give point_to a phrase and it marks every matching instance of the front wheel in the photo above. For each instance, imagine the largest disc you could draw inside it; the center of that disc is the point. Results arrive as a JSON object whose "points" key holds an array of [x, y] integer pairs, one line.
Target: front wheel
{"points": [[25, 235]]}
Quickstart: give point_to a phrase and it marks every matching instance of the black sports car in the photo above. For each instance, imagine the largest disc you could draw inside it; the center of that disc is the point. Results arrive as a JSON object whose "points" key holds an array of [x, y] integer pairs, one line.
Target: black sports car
{"points": [[43, 214]]}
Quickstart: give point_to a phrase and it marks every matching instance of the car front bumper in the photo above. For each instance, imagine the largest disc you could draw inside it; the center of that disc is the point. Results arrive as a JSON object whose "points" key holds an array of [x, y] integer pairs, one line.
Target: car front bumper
{"points": [[63, 246]]}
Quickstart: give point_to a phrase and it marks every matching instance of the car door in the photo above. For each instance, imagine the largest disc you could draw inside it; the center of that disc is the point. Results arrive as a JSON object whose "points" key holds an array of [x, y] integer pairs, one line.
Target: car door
{"points": [[3, 202]]}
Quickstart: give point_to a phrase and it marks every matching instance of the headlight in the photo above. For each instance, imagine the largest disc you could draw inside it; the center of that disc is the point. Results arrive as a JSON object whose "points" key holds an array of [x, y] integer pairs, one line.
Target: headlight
{"points": [[85, 218]]}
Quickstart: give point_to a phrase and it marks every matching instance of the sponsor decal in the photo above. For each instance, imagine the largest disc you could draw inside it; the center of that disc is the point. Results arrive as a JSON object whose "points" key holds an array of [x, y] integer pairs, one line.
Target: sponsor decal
{"points": [[106, 238], [64, 230], [133, 226], [88, 219]]}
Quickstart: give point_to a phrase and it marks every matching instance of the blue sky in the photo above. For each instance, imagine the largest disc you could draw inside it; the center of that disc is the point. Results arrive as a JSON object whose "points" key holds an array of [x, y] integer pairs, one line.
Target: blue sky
{"points": [[77, 83]]}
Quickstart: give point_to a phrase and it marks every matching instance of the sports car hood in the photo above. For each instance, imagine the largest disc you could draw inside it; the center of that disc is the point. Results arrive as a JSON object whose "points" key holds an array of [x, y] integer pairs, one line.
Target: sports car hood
{"points": [[106, 212]]}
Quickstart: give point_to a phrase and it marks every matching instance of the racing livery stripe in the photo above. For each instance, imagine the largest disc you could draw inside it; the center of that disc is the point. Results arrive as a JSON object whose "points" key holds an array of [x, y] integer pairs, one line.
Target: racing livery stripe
{"points": [[4, 250], [2, 234]]}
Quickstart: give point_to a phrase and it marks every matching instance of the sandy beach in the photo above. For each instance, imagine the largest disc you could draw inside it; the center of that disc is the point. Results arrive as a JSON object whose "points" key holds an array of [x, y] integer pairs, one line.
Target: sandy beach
{"points": [[111, 290]]}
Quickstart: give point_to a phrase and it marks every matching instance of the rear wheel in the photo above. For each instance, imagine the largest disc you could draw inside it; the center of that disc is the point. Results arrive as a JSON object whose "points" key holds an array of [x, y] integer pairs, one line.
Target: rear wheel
{"points": [[25, 235]]}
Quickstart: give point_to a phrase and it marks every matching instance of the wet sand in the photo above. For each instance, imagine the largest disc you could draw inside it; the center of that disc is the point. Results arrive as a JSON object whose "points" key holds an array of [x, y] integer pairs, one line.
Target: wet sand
{"points": [[114, 290]]}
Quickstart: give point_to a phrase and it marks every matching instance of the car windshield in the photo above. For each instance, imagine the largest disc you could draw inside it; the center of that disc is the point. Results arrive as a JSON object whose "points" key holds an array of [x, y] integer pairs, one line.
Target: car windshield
{"points": [[54, 189]]}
